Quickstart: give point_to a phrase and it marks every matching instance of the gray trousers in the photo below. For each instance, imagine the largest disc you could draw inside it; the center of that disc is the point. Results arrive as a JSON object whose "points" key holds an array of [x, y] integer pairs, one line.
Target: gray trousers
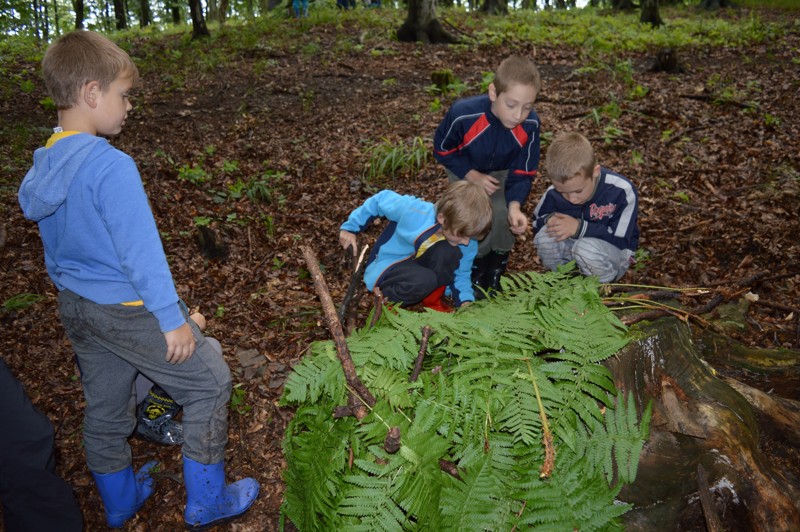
{"points": [[500, 238], [592, 255], [113, 344]]}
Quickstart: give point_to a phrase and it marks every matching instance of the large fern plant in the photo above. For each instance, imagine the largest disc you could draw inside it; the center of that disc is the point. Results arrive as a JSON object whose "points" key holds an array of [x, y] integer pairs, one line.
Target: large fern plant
{"points": [[499, 377]]}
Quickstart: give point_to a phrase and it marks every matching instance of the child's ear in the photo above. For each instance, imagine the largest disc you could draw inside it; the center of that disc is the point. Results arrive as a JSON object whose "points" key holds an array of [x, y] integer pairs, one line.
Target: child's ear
{"points": [[90, 93], [492, 92], [440, 218]]}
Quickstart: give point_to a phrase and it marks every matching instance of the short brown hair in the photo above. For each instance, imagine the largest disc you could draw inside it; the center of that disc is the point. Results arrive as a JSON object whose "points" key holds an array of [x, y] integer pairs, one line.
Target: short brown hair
{"points": [[519, 70], [568, 155], [79, 57], [466, 209]]}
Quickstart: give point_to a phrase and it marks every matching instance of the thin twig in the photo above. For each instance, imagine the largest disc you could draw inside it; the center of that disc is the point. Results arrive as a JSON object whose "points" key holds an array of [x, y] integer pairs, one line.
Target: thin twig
{"points": [[358, 272], [423, 347]]}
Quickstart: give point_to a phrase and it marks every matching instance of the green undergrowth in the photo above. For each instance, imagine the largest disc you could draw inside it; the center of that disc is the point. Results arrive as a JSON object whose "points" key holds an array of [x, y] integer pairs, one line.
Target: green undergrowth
{"points": [[498, 377]]}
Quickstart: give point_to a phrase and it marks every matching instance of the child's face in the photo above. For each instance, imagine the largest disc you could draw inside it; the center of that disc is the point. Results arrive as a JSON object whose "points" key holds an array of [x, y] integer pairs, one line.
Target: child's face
{"points": [[579, 188], [112, 106], [452, 238], [512, 106]]}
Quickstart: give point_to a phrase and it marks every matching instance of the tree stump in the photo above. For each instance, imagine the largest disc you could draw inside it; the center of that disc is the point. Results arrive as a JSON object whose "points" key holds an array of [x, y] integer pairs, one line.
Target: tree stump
{"points": [[703, 465]]}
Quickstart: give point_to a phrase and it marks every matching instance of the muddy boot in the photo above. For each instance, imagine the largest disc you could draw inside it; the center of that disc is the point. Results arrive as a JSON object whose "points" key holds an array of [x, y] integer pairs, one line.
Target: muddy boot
{"points": [[124, 492], [479, 285], [497, 263], [156, 418]]}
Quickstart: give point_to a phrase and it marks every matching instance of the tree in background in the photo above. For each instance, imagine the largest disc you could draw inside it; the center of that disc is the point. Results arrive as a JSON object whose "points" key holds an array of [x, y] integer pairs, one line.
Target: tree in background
{"points": [[650, 14], [120, 15], [421, 25], [199, 28], [494, 7]]}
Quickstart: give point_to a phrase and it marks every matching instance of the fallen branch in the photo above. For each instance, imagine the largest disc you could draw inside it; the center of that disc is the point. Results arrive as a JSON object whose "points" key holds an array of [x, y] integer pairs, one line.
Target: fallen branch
{"points": [[378, 300], [713, 523], [423, 348], [335, 328]]}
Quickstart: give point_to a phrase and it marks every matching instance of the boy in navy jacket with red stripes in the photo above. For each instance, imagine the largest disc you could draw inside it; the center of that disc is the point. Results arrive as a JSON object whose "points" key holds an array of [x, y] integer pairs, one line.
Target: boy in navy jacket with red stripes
{"points": [[493, 140], [588, 215]]}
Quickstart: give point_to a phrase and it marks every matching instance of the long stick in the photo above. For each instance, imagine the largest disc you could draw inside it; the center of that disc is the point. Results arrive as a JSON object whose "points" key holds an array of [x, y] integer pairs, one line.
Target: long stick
{"points": [[335, 328]]}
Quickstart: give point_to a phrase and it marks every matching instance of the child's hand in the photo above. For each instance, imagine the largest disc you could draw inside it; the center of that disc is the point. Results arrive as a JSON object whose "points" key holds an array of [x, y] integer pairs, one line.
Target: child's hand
{"points": [[348, 239], [199, 319], [561, 226], [487, 182], [180, 344], [517, 221]]}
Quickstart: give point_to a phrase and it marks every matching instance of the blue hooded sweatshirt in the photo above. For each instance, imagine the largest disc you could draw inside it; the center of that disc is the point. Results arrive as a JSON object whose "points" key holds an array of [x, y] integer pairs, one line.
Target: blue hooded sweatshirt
{"points": [[413, 221], [100, 238]]}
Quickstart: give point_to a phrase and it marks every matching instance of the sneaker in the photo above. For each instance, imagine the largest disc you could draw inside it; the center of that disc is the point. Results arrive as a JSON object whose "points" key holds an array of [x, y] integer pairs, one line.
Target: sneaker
{"points": [[156, 418]]}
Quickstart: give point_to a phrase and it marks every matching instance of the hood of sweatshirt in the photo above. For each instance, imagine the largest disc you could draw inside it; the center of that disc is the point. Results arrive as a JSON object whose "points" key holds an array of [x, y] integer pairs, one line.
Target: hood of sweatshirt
{"points": [[46, 184]]}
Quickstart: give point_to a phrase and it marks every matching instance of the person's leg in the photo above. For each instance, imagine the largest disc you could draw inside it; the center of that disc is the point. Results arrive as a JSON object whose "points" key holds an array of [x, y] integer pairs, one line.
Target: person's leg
{"points": [[598, 257], [407, 282], [32, 494], [552, 253]]}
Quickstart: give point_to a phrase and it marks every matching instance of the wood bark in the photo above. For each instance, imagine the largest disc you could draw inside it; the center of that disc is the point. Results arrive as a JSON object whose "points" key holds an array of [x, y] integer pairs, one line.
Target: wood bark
{"points": [[705, 431], [199, 28], [494, 7], [650, 14], [421, 25]]}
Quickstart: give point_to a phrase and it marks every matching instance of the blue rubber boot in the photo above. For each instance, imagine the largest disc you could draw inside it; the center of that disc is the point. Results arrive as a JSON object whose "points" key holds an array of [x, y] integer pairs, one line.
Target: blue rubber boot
{"points": [[209, 501], [123, 493]]}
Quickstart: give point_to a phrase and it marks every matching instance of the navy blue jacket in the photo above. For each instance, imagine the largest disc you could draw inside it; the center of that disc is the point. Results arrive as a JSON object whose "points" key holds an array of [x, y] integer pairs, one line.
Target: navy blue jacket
{"points": [[610, 214], [471, 137]]}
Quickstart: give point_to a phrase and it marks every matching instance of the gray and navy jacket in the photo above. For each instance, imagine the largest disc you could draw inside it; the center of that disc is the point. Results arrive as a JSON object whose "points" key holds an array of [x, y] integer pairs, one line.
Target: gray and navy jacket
{"points": [[610, 214], [471, 137]]}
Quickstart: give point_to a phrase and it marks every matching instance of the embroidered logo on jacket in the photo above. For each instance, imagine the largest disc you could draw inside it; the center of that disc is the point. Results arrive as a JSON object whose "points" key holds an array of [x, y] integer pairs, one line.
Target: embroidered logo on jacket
{"points": [[598, 212]]}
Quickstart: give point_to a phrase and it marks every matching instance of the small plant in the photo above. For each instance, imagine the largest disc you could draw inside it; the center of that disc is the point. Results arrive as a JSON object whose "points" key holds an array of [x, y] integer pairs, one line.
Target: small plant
{"points": [[389, 82], [193, 174], [486, 80], [681, 196], [389, 160], [220, 312], [435, 105], [230, 167], [239, 400], [640, 260], [202, 221], [277, 263], [21, 302]]}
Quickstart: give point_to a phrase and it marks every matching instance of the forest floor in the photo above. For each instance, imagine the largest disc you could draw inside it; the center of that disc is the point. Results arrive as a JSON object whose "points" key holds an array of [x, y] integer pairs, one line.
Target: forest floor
{"points": [[713, 150]]}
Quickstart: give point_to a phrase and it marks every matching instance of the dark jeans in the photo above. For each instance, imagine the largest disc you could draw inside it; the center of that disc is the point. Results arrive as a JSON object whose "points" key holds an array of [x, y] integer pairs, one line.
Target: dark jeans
{"points": [[412, 280], [33, 496]]}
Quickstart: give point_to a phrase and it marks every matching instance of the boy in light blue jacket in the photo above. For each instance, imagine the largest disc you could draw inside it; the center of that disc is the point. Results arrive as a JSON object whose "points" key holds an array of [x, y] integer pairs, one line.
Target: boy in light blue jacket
{"points": [[116, 297], [427, 248]]}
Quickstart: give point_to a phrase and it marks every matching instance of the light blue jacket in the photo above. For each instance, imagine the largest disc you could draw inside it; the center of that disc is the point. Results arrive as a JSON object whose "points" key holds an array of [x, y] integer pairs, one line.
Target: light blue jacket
{"points": [[414, 220], [100, 238]]}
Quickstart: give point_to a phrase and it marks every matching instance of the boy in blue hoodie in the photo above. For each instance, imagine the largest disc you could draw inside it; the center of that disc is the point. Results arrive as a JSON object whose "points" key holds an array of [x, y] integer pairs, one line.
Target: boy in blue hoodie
{"points": [[427, 248], [492, 140], [116, 297], [588, 214]]}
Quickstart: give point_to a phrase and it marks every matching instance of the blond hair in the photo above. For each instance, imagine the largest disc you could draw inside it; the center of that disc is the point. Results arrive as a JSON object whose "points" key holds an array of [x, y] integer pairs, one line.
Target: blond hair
{"points": [[569, 155], [79, 57], [466, 209], [517, 70]]}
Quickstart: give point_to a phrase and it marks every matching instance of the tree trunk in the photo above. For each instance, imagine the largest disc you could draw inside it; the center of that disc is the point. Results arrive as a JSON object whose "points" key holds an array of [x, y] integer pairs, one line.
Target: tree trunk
{"points": [[77, 7], [704, 463], [199, 28], [622, 4], [145, 15], [716, 4], [421, 25], [120, 15], [494, 7], [650, 13]]}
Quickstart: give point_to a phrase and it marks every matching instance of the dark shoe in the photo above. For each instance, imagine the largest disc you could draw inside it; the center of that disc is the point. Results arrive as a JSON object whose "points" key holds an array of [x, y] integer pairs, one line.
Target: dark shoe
{"points": [[496, 268], [156, 418], [124, 492]]}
